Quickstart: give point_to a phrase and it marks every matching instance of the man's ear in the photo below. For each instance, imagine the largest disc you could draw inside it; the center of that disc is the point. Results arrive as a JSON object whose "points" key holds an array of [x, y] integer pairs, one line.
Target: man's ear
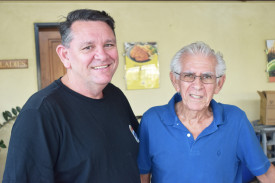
{"points": [[62, 52], [220, 84], [174, 81]]}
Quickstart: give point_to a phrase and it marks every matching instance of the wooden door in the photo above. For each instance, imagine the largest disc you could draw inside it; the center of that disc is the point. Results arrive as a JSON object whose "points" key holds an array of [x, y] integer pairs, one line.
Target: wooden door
{"points": [[51, 68]]}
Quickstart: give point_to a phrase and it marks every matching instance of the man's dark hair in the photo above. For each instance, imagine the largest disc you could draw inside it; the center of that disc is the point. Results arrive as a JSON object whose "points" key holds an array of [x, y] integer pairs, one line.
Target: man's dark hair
{"points": [[82, 15]]}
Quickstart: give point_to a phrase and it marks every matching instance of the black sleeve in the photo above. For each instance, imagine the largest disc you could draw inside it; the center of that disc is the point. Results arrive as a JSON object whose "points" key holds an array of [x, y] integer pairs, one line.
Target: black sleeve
{"points": [[32, 149]]}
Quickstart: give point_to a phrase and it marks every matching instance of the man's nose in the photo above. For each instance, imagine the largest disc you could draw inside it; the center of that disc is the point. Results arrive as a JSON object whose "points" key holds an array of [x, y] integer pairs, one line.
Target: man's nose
{"points": [[197, 83], [100, 54]]}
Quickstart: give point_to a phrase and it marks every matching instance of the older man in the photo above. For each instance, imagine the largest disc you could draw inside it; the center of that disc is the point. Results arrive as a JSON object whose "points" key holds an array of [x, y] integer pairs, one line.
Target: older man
{"points": [[80, 128], [193, 138]]}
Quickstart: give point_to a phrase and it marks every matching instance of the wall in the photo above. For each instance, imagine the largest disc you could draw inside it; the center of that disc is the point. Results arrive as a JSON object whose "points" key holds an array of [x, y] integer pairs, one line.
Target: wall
{"points": [[237, 29]]}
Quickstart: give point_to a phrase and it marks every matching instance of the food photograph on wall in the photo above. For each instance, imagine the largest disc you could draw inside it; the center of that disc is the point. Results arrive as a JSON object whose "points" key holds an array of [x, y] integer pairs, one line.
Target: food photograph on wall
{"points": [[142, 65], [270, 60]]}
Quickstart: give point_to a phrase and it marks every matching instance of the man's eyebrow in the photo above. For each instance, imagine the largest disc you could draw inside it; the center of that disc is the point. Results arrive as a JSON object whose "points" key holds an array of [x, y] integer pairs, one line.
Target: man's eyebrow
{"points": [[86, 43], [211, 73], [111, 41], [92, 42], [190, 72]]}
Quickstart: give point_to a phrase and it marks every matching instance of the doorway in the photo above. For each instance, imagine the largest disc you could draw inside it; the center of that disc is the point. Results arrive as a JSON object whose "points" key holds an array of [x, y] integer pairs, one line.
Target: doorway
{"points": [[49, 66]]}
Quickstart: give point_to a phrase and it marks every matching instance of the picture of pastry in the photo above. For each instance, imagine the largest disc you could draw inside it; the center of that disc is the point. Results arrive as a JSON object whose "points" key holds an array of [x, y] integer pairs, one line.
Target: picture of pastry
{"points": [[139, 54]]}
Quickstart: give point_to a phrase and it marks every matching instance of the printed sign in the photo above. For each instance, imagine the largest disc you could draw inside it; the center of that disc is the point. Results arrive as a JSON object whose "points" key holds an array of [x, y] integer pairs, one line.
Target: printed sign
{"points": [[14, 64]]}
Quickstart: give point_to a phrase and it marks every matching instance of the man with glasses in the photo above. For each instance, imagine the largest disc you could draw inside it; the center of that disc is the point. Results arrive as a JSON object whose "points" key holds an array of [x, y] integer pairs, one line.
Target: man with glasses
{"points": [[194, 138]]}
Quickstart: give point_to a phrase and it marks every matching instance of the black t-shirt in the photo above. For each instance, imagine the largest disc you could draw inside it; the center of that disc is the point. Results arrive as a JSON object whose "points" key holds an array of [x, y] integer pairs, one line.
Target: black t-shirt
{"points": [[62, 136]]}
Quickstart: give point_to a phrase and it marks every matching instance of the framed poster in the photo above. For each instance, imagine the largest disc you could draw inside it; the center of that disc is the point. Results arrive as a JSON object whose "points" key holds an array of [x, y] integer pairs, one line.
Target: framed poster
{"points": [[141, 64], [270, 44]]}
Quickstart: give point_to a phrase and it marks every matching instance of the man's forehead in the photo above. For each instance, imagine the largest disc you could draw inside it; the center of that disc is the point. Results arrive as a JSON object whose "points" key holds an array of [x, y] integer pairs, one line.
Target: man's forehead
{"points": [[90, 24], [198, 60], [88, 28], [195, 63]]}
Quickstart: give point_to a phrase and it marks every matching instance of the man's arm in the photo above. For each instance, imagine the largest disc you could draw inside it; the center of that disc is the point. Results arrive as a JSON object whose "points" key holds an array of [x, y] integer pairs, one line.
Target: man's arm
{"points": [[145, 178], [269, 176]]}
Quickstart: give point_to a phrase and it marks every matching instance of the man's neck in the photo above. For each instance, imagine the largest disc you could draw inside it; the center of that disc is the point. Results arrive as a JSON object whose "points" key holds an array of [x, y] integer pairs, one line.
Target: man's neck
{"points": [[85, 89]]}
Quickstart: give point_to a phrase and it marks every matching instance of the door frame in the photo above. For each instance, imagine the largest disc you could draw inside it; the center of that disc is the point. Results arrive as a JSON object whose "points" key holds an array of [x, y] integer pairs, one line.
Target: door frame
{"points": [[37, 27]]}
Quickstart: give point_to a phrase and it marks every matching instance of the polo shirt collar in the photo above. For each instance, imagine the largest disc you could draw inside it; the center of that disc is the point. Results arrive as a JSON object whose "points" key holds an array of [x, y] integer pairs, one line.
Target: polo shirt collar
{"points": [[217, 112], [170, 117]]}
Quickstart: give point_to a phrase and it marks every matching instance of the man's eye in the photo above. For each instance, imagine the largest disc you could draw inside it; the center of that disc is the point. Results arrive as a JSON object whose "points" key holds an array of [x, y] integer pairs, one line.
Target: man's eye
{"points": [[207, 76], [109, 45], [188, 75], [87, 48]]}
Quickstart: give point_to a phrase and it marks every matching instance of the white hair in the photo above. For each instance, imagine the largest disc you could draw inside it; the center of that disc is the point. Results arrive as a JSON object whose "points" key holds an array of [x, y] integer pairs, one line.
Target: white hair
{"points": [[197, 48]]}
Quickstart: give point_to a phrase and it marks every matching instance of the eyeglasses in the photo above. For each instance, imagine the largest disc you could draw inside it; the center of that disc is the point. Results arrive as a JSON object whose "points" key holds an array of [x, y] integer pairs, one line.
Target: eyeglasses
{"points": [[190, 77]]}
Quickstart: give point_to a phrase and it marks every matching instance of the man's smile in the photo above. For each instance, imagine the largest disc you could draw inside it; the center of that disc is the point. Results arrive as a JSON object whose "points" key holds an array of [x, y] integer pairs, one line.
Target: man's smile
{"points": [[195, 96], [101, 67]]}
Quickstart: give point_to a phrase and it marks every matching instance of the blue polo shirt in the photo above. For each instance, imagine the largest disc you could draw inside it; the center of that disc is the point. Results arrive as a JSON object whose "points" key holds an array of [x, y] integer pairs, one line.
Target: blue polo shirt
{"points": [[169, 152]]}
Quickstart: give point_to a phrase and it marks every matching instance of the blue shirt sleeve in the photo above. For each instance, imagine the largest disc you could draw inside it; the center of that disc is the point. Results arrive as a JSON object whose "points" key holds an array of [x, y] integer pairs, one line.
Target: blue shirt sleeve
{"points": [[249, 149]]}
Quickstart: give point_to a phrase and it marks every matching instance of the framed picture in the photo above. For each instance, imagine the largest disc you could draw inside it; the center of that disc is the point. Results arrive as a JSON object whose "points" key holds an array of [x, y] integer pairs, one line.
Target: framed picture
{"points": [[142, 65], [270, 51]]}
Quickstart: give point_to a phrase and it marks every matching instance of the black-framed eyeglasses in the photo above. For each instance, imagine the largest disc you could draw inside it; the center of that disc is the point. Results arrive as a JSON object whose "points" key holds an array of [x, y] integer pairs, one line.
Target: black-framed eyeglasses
{"points": [[190, 77]]}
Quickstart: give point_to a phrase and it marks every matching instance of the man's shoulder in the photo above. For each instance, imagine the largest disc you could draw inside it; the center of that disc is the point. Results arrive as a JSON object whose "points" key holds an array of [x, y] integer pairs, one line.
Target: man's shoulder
{"points": [[158, 108], [228, 112], [113, 92], [159, 111], [37, 99], [226, 108], [111, 88]]}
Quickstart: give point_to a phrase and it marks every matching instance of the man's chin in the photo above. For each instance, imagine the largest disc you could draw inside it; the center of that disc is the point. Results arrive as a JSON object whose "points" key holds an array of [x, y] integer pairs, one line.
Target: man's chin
{"points": [[103, 82], [197, 107]]}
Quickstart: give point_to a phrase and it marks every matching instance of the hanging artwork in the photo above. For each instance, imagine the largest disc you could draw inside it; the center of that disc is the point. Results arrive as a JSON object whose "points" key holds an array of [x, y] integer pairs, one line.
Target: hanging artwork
{"points": [[270, 60], [142, 66]]}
